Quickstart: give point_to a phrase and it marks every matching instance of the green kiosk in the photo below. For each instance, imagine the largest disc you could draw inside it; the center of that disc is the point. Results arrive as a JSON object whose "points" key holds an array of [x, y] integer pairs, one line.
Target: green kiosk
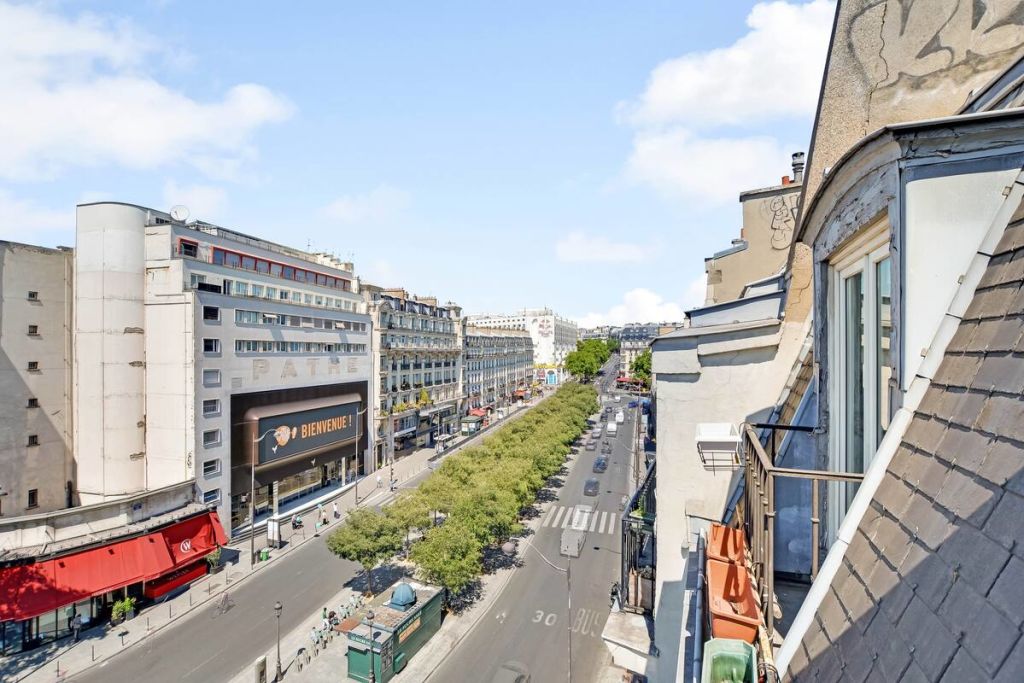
{"points": [[391, 634]]}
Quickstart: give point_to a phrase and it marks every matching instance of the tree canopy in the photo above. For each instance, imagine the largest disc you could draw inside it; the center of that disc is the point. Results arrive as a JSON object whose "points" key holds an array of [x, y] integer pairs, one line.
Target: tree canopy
{"points": [[587, 359], [640, 368], [366, 537]]}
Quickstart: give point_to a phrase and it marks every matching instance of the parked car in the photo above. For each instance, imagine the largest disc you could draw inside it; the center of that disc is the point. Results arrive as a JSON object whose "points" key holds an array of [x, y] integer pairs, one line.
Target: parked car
{"points": [[592, 487], [592, 446], [606, 449], [600, 464]]}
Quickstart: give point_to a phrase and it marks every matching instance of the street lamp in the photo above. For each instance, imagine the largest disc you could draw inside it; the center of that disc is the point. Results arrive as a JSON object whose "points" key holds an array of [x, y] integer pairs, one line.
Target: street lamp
{"points": [[278, 675], [370, 615], [510, 548], [252, 497]]}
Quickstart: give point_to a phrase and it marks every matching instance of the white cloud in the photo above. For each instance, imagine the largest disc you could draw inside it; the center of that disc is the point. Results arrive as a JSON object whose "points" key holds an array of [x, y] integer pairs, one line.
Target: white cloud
{"points": [[578, 247], [696, 125], [380, 272], [204, 202], [85, 96], [377, 205], [23, 220], [705, 169], [773, 71], [638, 305]]}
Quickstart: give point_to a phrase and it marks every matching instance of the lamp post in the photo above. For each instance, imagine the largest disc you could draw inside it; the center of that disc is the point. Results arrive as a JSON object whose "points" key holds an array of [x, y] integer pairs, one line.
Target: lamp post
{"points": [[252, 496], [510, 549], [359, 423], [370, 616], [277, 613]]}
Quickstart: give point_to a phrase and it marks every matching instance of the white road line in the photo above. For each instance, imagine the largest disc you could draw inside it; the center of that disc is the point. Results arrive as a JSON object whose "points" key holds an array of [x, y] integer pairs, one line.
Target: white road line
{"points": [[600, 518], [548, 517], [612, 519], [593, 521], [559, 510], [568, 519]]}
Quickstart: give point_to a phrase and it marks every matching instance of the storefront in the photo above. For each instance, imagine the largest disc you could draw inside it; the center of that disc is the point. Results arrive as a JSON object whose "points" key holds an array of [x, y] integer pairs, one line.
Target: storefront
{"points": [[298, 448], [40, 598]]}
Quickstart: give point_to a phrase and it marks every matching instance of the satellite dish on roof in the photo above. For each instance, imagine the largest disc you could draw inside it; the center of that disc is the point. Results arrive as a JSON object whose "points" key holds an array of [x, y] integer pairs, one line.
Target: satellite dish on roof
{"points": [[179, 213]]}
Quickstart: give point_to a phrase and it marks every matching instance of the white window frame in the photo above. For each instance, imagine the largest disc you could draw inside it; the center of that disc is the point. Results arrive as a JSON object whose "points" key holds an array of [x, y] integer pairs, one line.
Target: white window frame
{"points": [[214, 471], [215, 345], [211, 442], [211, 377], [860, 255], [216, 409], [211, 497]]}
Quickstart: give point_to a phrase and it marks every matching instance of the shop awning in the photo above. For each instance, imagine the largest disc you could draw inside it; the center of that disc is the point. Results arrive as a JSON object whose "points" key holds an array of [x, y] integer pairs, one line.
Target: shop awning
{"points": [[478, 412], [30, 590]]}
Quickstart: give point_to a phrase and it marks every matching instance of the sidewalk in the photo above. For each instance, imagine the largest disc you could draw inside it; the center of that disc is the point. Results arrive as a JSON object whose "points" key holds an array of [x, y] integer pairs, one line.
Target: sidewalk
{"points": [[97, 644]]}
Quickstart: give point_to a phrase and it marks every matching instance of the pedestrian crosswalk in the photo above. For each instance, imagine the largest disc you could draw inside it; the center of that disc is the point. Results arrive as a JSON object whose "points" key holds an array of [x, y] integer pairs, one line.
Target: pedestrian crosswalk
{"points": [[601, 521]]}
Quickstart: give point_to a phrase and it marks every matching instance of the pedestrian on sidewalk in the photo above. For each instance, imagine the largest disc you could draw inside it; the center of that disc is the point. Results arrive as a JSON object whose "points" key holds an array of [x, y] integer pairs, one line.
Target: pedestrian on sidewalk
{"points": [[380, 481], [337, 515], [324, 615], [76, 626]]}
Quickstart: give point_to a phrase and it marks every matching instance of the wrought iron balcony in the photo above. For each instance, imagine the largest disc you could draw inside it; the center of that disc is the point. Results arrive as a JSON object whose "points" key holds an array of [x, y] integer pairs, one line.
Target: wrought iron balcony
{"points": [[639, 547]]}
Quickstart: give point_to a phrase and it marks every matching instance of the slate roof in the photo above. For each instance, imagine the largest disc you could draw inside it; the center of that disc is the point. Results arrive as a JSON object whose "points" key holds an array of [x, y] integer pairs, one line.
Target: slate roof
{"points": [[932, 585]]}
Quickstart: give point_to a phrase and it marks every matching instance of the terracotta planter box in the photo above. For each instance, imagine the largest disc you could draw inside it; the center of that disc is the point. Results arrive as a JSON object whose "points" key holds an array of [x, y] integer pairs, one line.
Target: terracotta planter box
{"points": [[726, 544], [732, 605]]}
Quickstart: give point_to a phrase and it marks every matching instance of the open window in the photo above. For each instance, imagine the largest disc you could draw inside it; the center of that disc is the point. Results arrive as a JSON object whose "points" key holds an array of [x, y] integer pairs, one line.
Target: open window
{"points": [[860, 333]]}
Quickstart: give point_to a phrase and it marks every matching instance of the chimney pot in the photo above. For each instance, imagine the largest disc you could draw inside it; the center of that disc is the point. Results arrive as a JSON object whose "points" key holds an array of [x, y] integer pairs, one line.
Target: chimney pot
{"points": [[798, 167]]}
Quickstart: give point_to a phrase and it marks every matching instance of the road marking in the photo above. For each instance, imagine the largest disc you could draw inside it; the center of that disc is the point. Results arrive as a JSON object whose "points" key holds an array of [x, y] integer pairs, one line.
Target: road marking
{"points": [[593, 521], [568, 519], [559, 510], [600, 523], [550, 515], [611, 523]]}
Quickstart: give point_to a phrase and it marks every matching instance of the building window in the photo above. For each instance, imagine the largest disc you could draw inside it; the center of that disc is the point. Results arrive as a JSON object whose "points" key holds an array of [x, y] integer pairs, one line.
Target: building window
{"points": [[211, 497], [211, 313], [33, 330], [211, 437], [211, 378], [861, 330], [33, 439], [33, 498], [189, 249], [211, 346], [33, 403], [33, 296], [211, 468], [211, 406], [33, 366]]}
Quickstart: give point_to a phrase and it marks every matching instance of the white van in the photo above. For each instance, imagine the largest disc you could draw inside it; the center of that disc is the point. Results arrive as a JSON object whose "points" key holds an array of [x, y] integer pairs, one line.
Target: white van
{"points": [[620, 417], [612, 429]]}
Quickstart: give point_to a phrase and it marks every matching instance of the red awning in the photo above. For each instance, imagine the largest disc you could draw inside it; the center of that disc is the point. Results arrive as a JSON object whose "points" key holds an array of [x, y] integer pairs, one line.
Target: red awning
{"points": [[477, 412], [33, 589], [165, 584]]}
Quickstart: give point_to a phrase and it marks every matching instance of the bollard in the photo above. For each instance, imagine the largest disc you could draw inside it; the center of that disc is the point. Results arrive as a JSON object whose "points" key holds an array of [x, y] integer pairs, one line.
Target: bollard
{"points": [[122, 638], [170, 610], [93, 656], [190, 598], [147, 624]]}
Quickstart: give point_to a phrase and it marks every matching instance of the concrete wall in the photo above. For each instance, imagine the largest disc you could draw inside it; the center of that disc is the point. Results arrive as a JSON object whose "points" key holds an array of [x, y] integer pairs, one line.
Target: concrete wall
{"points": [[769, 221], [905, 60], [47, 468], [731, 376], [109, 376]]}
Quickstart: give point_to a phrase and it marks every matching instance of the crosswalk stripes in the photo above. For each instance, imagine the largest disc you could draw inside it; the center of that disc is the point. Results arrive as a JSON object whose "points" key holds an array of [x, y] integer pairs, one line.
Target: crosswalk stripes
{"points": [[601, 521]]}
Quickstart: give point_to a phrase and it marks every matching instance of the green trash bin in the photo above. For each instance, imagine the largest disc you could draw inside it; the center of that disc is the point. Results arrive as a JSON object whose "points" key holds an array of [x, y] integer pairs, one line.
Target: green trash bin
{"points": [[728, 661], [264, 554]]}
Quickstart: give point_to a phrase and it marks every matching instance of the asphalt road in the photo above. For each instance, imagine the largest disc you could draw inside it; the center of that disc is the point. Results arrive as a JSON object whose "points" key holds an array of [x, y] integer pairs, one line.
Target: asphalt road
{"points": [[529, 624]]}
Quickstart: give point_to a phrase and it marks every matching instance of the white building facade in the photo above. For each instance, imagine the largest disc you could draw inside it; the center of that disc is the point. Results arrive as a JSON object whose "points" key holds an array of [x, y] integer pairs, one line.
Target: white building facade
{"points": [[554, 337], [417, 349], [498, 366], [192, 342]]}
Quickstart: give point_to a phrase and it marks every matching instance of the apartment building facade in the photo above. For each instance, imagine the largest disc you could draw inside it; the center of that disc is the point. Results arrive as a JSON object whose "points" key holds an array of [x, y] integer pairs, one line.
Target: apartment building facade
{"points": [[417, 351], [554, 337], [36, 469], [498, 366]]}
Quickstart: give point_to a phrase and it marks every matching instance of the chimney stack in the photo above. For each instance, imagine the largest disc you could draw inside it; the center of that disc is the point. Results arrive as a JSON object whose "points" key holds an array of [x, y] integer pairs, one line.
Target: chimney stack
{"points": [[798, 167]]}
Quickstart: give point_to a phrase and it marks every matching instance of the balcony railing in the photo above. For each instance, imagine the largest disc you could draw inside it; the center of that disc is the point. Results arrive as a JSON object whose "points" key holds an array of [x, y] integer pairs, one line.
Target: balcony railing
{"points": [[759, 513], [639, 556]]}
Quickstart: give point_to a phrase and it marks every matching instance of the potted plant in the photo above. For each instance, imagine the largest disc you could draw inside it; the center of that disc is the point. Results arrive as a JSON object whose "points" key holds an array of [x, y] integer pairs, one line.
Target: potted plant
{"points": [[213, 559], [123, 610]]}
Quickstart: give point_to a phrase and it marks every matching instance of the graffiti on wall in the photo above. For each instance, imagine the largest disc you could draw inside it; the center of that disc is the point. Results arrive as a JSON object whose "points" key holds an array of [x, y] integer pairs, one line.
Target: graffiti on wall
{"points": [[914, 42], [782, 211]]}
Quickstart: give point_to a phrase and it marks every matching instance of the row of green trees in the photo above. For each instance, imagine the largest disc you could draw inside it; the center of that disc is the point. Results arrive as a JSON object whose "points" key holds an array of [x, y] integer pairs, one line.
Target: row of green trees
{"points": [[480, 491], [640, 368], [589, 356]]}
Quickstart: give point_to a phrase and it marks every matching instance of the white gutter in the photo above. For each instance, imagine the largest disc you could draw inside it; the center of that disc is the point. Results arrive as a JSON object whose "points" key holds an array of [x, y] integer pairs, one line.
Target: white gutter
{"points": [[898, 427]]}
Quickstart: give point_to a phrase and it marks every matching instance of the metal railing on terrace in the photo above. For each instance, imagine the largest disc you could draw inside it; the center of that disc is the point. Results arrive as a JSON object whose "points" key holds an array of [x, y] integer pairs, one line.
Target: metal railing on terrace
{"points": [[639, 549], [759, 513]]}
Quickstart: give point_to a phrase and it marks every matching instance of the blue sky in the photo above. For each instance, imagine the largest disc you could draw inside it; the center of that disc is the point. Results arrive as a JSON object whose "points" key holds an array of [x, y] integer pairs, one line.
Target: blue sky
{"points": [[580, 155]]}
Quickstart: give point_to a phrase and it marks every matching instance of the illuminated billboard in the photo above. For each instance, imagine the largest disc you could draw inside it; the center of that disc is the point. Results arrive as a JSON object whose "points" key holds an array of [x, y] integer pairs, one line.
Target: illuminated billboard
{"points": [[306, 431]]}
